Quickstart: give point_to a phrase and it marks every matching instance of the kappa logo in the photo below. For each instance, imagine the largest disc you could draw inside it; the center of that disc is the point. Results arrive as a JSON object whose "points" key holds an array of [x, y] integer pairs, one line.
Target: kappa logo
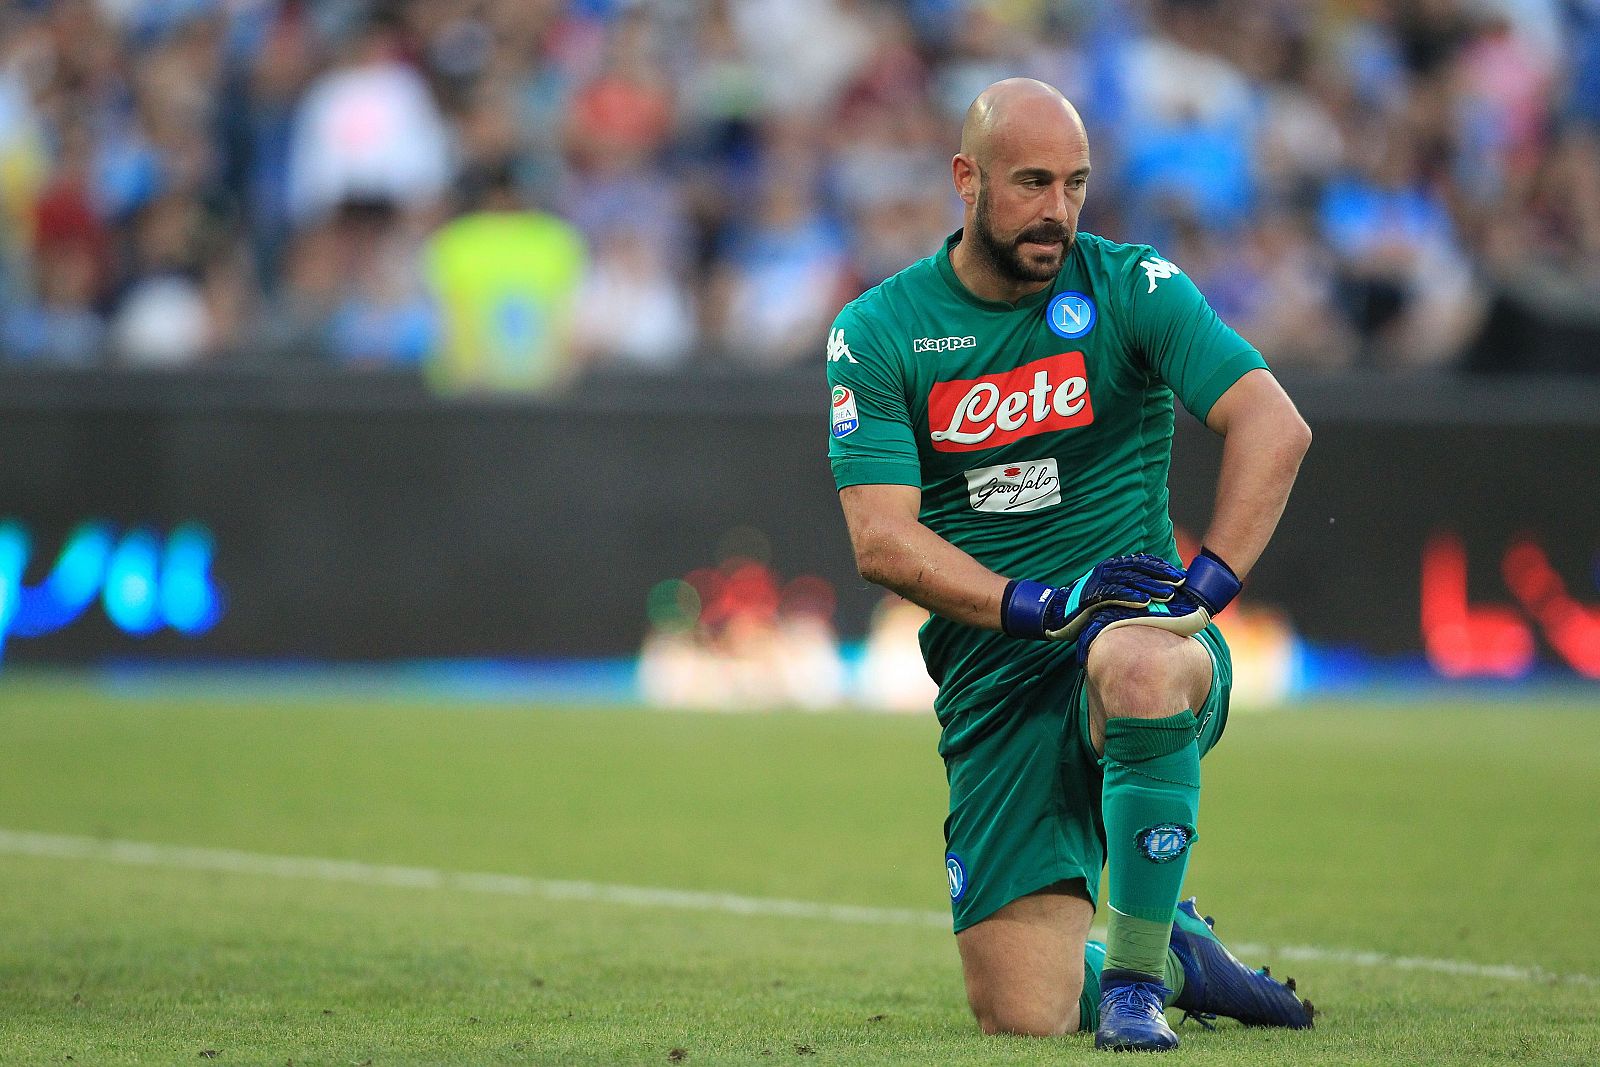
{"points": [[1157, 269], [943, 344], [1039, 397], [837, 349]]}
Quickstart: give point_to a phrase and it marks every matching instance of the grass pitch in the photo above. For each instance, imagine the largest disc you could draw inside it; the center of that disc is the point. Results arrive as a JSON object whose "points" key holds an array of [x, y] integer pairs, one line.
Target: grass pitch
{"points": [[1465, 837]]}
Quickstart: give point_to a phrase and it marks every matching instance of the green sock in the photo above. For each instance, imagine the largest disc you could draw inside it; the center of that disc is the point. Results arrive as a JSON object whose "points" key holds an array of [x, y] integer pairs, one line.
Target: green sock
{"points": [[1150, 801], [1134, 944], [1094, 961]]}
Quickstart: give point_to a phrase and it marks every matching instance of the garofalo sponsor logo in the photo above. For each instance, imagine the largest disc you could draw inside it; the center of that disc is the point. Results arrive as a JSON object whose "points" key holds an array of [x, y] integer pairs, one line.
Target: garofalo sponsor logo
{"points": [[1010, 487], [1040, 397], [943, 344]]}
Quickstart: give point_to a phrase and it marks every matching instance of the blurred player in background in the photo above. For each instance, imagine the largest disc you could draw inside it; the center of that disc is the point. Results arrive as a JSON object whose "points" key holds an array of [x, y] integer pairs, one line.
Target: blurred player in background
{"points": [[1002, 427]]}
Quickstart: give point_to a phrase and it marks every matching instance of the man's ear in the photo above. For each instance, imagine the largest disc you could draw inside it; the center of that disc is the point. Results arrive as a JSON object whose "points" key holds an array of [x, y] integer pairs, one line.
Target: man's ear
{"points": [[964, 171]]}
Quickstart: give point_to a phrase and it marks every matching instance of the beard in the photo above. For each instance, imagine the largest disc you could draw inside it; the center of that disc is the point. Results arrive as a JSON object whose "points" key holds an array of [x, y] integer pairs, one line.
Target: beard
{"points": [[1007, 256]]}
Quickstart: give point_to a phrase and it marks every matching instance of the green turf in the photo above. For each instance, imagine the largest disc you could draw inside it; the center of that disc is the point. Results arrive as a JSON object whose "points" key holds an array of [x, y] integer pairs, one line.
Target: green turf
{"points": [[1466, 834]]}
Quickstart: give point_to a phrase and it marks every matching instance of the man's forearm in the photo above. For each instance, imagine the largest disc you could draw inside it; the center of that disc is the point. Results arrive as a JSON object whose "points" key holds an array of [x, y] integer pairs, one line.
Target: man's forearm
{"points": [[929, 571], [1260, 459]]}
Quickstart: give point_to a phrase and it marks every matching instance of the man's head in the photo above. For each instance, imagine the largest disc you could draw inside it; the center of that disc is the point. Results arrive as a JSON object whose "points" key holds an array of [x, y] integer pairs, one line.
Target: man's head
{"points": [[1022, 172]]}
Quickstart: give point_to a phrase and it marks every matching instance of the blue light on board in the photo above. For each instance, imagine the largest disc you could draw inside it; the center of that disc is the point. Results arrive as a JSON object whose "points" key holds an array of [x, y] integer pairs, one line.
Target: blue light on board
{"points": [[189, 600], [144, 581], [130, 595]]}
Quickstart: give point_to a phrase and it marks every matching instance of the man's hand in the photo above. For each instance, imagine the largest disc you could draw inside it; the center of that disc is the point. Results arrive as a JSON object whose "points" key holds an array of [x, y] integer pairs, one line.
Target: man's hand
{"points": [[1208, 586], [1060, 613]]}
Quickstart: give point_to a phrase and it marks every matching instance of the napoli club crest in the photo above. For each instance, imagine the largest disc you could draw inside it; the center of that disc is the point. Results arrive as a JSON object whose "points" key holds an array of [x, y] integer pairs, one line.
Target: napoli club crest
{"points": [[1070, 315], [958, 876]]}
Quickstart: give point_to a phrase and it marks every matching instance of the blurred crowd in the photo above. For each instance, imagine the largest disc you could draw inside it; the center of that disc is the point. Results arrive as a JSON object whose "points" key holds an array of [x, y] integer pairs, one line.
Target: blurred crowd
{"points": [[498, 191]]}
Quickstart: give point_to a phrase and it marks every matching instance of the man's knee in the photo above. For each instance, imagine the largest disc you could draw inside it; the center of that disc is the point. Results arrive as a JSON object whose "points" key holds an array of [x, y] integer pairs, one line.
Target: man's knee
{"points": [[1024, 965], [1026, 1008], [1142, 670], [1036, 1019]]}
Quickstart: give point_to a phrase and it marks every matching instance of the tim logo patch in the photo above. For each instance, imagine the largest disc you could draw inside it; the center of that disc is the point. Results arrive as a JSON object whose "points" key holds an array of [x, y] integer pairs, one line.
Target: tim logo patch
{"points": [[1040, 397], [1015, 487], [845, 419]]}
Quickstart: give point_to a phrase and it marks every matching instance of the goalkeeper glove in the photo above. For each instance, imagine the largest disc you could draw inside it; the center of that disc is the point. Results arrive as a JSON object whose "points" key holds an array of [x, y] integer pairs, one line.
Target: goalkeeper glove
{"points": [[1208, 586], [1059, 613]]}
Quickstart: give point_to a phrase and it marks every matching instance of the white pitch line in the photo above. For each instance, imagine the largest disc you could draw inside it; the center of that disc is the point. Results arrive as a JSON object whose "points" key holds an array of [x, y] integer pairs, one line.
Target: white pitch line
{"points": [[182, 857], [230, 861]]}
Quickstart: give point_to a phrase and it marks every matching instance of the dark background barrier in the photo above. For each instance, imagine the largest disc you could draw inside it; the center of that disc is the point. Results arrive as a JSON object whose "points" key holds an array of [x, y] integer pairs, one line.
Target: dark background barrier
{"points": [[360, 518]]}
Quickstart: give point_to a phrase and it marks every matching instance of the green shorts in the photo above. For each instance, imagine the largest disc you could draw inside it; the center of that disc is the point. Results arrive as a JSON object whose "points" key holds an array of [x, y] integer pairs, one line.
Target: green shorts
{"points": [[1025, 800]]}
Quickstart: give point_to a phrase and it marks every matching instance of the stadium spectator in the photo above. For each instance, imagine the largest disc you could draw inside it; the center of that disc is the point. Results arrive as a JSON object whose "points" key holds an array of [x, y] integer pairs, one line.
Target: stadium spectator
{"points": [[782, 272], [384, 317], [22, 161], [57, 324], [1187, 128], [1403, 280], [655, 326], [1583, 62], [506, 281], [51, 317], [162, 319], [260, 120], [367, 130]]}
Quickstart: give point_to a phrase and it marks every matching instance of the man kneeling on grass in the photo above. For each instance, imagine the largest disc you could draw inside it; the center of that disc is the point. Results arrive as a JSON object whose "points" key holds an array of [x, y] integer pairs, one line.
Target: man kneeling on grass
{"points": [[1005, 408]]}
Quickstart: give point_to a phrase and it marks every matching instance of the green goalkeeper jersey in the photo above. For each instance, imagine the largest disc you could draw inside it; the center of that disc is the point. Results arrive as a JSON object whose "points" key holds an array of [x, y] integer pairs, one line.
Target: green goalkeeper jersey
{"points": [[1040, 432]]}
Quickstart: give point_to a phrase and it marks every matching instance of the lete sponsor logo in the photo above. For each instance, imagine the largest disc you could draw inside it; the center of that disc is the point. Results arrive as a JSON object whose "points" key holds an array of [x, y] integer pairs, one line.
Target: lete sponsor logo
{"points": [[845, 420], [1026, 486], [1039, 397]]}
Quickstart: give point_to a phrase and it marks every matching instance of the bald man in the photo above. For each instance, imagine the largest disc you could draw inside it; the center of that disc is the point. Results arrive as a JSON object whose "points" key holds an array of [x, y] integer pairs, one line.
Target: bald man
{"points": [[1002, 427]]}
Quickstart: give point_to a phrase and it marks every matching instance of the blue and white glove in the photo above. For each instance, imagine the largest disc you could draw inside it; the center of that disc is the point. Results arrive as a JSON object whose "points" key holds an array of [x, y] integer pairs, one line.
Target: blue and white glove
{"points": [[1059, 613], [1208, 586]]}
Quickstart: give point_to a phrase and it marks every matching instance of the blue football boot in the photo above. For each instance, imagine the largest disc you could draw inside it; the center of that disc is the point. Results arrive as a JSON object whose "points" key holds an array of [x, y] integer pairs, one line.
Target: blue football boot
{"points": [[1215, 983], [1131, 1018]]}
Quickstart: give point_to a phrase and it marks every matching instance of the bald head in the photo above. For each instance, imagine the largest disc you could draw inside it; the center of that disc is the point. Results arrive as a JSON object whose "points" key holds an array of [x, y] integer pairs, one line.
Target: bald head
{"points": [[1016, 112], [1022, 172]]}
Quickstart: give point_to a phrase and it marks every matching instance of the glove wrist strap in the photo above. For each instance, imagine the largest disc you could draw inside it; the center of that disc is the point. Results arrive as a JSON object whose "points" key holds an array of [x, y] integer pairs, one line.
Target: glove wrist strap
{"points": [[1022, 608], [1211, 581]]}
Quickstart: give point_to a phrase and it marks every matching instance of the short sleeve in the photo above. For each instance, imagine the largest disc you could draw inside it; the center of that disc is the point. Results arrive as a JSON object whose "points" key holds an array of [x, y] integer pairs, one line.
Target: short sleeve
{"points": [[871, 438], [1189, 347]]}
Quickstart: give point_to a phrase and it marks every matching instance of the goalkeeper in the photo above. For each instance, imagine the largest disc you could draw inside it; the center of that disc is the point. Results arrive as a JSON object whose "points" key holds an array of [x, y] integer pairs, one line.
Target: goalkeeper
{"points": [[1002, 418]]}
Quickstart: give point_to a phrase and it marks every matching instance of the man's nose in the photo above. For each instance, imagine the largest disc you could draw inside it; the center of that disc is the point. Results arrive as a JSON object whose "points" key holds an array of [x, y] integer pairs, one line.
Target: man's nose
{"points": [[1060, 205]]}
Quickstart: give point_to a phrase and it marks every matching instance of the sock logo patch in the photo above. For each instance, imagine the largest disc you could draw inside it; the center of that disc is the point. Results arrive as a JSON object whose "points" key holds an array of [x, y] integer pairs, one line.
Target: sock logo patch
{"points": [[958, 876], [1164, 843]]}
